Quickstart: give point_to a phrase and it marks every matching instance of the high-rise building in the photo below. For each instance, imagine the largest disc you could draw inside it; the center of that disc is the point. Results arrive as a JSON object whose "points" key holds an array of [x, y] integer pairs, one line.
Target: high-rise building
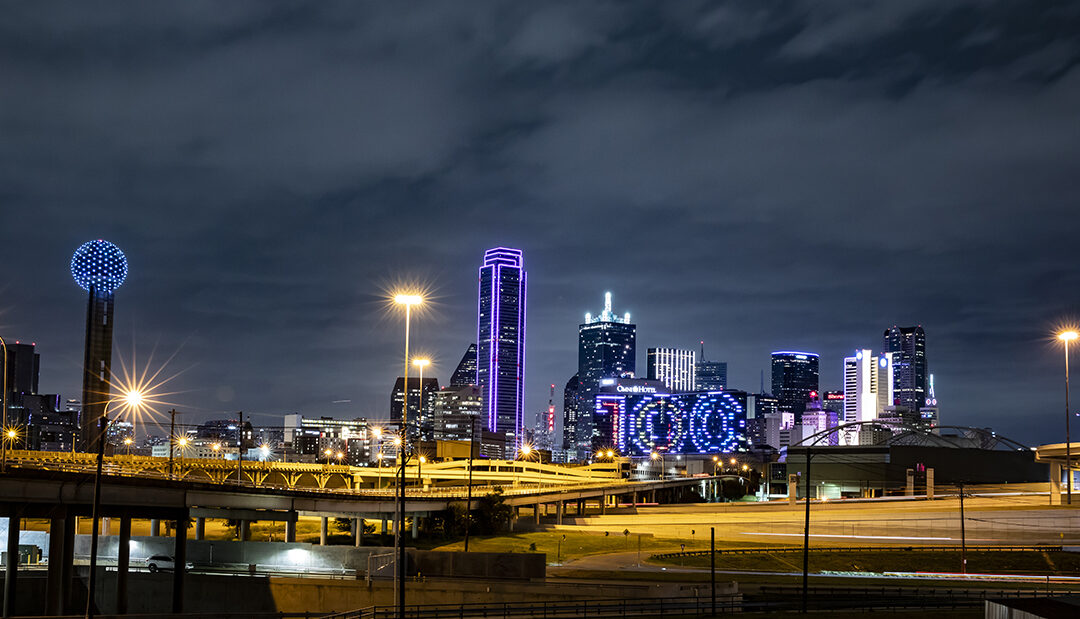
{"points": [[816, 419], [868, 390], [673, 367], [834, 401], [794, 377], [457, 413], [465, 374], [22, 366], [571, 407], [500, 349], [908, 346], [420, 403], [607, 348], [98, 267], [313, 437], [709, 375]]}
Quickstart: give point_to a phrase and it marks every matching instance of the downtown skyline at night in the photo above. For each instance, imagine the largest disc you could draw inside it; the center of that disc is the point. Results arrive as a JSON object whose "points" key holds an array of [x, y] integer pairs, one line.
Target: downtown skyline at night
{"points": [[735, 177]]}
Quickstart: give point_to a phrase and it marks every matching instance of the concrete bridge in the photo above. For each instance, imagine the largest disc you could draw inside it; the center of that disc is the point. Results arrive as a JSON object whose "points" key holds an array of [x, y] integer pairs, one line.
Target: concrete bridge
{"points": [[61, 491]]}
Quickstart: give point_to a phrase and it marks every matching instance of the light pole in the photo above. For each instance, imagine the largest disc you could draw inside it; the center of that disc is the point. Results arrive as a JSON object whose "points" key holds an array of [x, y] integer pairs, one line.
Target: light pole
{"points": [[3, 401], [1067, 336], [420, 363], [420, 470], [379, 456], [128, 441], [133, 400], [408, 300], [659, 456]]}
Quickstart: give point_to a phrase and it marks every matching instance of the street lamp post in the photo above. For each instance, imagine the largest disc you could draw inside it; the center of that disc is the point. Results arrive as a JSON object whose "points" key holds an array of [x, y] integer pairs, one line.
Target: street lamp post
{"points": [[656, 455], [3, 402], [1066, 337], [132, 399], [408, 300]]}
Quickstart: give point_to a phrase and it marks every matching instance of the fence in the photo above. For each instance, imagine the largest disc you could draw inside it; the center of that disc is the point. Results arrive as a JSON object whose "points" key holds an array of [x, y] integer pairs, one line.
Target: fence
{"points": [[798, 550]]}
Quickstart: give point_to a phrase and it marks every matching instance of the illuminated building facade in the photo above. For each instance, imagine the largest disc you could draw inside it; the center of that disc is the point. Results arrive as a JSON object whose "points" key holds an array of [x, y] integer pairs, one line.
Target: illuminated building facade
{"points": [[673, 367], [607, 348], [98, 267], [500, 336], [908, 347], [794, 377], [457, 413], [420, 416], [868, 390], [312, 437], [636, 417], [465, 374], [571, 409]]}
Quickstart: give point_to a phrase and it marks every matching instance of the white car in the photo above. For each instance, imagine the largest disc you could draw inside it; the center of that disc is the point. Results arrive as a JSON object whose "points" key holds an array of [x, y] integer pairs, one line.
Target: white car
{"points": [[162, 563]]}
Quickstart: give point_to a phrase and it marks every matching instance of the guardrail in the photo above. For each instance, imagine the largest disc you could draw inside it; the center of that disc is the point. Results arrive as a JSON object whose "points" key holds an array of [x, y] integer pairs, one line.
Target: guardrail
{"points": [[799, 550]]}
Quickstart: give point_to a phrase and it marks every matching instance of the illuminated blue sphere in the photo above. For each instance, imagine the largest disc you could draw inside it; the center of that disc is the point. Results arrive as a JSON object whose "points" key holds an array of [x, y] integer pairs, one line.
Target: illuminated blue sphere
{"points": [[99, 264]]}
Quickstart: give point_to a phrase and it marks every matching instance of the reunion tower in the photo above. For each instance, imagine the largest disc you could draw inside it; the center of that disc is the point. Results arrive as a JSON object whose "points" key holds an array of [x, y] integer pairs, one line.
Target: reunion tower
{"points": [[99, 267]]}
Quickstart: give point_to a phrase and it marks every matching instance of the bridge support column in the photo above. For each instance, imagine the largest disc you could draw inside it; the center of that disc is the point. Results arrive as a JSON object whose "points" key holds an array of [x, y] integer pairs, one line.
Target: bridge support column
{"points": [[929, 483], [180, 569], [123, 554], [581, 507], [385, 526], [910, 490], [67, 563], [245, 530], [1055, 483], [290, 527], [558, 511], [515, 511], [603, 504], [536, 513], [415, 526], [634, 499], [322, 530], [106, 526], [54, 587], [155, 527], [200, 528], [792, 488], [12, 563]]}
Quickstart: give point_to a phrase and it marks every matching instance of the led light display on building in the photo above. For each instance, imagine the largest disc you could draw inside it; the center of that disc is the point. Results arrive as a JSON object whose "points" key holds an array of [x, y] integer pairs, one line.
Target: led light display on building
{"points": [[637, 417]]}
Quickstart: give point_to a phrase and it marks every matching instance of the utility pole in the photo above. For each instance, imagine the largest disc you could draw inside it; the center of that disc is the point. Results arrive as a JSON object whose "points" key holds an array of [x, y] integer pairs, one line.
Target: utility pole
{"points": [[172, 439], [963, 536], [240, 453], [806, 539], [712, 552], [468, 501]]}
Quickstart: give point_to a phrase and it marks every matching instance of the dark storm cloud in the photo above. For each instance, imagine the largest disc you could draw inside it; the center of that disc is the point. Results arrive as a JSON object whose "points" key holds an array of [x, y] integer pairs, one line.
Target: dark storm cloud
{"points": [[759, 175]]}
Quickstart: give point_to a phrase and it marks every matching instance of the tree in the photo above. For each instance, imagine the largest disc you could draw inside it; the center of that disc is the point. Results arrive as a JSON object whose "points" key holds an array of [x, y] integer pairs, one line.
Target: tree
{"points": [[493, 512]]}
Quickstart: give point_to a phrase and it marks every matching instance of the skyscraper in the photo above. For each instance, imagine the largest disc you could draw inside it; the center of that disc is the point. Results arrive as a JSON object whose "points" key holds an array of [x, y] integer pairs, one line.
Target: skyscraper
{"points": [[709, 375], [908, 345], [794, 376], [465, 374], [420, 405], [98, 267], [500, 336], [570, 413], [672, 366], [607, 348], [22, 367], [868, 390]]}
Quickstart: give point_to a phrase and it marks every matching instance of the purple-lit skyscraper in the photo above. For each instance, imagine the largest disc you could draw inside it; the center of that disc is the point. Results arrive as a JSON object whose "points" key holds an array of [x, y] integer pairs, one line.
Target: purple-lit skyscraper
{"points": [[500, 348]]}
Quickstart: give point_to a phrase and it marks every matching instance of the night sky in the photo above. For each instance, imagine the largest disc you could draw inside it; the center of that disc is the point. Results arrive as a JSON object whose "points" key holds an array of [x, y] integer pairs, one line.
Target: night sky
{"points": [[758, 175]]}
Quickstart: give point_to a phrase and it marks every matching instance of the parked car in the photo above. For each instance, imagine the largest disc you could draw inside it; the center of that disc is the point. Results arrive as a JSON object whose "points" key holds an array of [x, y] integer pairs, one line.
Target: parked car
{"points": [[162, 563]]}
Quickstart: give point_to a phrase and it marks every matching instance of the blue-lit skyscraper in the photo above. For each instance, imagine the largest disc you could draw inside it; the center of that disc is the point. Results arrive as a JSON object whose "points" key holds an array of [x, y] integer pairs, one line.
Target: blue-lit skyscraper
{"points": [[500, 349], [607, 348], [908, 345]]}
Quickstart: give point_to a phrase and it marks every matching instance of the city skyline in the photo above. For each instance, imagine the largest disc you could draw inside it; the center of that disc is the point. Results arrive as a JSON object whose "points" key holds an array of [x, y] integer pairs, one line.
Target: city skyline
{"points": [[738, 178]]}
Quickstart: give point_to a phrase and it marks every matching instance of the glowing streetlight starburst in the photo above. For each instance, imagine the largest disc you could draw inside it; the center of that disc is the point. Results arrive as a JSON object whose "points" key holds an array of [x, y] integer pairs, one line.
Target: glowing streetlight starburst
{"points": [[138, 390]]}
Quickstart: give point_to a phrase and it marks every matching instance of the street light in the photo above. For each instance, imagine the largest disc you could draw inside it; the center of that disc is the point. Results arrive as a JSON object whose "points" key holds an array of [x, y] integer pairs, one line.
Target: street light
{"points": [[420, 363], [420, 470], [132, 400], [328, 453], [1066, 337], [3, 402], [659, 456], [128, 441], [408, 300]]}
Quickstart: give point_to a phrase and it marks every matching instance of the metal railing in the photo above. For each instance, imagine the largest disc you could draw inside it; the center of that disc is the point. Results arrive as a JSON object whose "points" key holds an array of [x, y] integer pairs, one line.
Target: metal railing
{"points": [[843, 549]]}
